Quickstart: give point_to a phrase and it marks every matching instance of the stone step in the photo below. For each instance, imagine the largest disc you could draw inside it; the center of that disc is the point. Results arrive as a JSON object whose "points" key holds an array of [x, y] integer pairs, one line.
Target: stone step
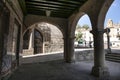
{"points": [[115, 57], [113, 54], [112, 57], [113, 60]]}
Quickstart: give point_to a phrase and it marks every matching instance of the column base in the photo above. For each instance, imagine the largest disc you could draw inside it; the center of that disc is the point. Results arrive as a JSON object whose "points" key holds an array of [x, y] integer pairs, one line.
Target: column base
{"points": [[70, 61], [101, 72]]}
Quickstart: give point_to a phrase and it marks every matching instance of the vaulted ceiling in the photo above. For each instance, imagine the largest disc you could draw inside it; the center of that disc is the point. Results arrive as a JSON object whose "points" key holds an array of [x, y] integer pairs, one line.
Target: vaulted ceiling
{"points": [[57, 8]]}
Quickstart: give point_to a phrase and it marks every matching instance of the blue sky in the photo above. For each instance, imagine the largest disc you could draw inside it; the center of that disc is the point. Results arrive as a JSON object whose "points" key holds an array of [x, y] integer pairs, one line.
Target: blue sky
{"points": [[113, 13]]}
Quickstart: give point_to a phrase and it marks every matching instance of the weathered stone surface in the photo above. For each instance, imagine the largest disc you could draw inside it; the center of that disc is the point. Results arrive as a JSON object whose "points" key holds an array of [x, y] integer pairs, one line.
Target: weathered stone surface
{"points": [[101, 72], [12, 14], [84, 55]]}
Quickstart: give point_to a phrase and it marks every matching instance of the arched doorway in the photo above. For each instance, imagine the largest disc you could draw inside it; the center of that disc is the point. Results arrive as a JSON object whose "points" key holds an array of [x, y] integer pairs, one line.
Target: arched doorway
{"points": [[38, 42], [42, 38]]}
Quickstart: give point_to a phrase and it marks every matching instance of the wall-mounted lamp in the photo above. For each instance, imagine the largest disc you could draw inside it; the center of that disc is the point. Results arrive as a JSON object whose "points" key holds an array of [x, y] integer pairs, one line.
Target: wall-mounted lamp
{"points": [[48, 12]]}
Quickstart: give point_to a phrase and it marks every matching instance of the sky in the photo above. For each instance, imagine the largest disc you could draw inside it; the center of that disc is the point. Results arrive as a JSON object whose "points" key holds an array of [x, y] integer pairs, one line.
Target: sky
{"points": [[113, 13]]}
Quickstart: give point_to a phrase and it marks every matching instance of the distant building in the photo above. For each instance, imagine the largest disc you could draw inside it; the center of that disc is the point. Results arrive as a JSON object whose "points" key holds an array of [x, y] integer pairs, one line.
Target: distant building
{"points": [[114, 34], [87, 37]]}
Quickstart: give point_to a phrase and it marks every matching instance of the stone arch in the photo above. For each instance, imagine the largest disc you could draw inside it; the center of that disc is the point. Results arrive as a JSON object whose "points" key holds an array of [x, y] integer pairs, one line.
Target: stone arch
{"points": [[75, 21], [58, 22], [57, 26], [46, 38], [31, 26], [103, 12], [85, 9]]}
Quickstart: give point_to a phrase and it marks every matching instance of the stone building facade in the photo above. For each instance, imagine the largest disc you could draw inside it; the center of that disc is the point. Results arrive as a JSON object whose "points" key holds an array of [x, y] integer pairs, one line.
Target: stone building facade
{"points": [[114, 33]]}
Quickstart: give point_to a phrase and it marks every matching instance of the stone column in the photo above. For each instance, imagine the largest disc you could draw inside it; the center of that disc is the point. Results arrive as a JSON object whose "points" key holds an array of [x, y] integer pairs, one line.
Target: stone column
{"points": [[31, 41], [99, 69], [2, 33], [1, 43], [69, 49]]}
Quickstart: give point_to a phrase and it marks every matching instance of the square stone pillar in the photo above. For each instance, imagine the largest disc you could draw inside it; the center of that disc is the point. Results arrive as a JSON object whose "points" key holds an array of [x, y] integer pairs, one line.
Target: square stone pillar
{"points": [[69, 55], [99, 69]]}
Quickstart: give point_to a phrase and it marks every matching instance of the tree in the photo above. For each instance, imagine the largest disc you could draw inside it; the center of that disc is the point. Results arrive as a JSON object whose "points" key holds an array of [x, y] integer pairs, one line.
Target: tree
{"points": [[85, 26], [78, 36], [78, 26]]}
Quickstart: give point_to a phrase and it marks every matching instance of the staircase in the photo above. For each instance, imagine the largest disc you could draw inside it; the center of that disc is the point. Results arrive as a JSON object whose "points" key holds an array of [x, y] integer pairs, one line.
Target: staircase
{"points": [[115, 57]]}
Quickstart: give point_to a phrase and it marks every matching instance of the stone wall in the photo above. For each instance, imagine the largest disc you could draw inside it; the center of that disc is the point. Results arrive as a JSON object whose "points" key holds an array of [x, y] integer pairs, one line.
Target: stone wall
{"points": [[28, 52], [9, 61], [54, 48], [84, 55], [58, 22]]}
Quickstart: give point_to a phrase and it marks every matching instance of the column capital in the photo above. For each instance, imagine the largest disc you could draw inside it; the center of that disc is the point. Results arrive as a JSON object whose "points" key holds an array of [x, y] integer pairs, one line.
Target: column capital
{"points": [[100, 31], [107, 30]]}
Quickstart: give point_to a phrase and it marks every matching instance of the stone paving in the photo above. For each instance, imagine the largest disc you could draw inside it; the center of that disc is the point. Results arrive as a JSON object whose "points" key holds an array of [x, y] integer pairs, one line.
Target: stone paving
{"points": [[59, 70], [53, 70]]}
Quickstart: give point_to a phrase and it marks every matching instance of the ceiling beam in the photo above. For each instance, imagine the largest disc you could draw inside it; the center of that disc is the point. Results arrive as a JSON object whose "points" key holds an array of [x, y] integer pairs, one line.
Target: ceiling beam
{"points": [[53, 14], [56, 2], [47, 8], [72, 1], [40, 9], [23, 6], [58, 8], [50, 5]]}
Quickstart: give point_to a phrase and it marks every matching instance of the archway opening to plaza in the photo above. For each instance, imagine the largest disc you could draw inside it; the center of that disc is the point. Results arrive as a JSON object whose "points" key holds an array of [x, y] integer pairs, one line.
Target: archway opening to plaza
{"points": [[112, 27], [83, 37], [42, 38], [83, 44]]}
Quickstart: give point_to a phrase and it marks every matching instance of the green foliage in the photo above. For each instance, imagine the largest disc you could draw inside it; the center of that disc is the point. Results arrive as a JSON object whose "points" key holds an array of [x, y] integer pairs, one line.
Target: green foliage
{"points": [[78, 36], [78, 26], [85, 26]]}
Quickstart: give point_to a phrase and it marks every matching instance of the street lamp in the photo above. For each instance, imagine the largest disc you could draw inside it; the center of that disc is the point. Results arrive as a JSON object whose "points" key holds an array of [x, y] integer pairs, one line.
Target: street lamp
{"points": [[107, 30]]}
